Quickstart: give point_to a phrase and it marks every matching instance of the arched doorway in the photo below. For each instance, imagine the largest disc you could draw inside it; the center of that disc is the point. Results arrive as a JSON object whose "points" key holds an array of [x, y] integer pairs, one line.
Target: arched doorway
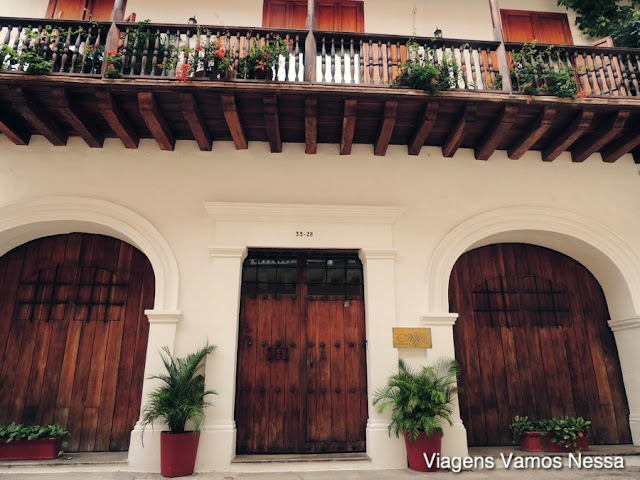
{"points": [[532, 339], [73, 336]]}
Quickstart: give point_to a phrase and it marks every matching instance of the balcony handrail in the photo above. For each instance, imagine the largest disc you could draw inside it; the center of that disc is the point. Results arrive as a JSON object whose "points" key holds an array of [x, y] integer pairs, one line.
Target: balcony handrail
{"points": [[243, 30], [582, 49], [54, 22], [404, 39]]}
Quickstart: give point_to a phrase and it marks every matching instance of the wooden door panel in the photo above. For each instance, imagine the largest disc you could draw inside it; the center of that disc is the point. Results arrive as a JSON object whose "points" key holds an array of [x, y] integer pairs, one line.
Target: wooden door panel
{"points": [[518, 27], [544, 27], [532, 339], [331, 15], [68, 369], [98, 10]]}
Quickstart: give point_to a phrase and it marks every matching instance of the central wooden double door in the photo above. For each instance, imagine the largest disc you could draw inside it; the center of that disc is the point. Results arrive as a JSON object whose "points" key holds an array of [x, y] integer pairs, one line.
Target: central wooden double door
{"points": [[301, 381]]}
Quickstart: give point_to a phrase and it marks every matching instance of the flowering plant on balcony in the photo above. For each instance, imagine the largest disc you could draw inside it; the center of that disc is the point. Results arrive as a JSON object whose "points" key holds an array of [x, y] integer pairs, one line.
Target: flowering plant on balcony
{"points": [[114, 64], [211, 58], [263, 57], [422, 73]]}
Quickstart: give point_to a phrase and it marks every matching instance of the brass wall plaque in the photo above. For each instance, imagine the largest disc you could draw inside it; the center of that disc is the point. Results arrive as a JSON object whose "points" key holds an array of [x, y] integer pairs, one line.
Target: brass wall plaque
{"points": [[412, 338]]}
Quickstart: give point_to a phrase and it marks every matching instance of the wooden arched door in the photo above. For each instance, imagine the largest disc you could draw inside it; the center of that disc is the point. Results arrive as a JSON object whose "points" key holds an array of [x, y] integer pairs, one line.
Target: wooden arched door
{"points": [[532, 339], [73, 337]]}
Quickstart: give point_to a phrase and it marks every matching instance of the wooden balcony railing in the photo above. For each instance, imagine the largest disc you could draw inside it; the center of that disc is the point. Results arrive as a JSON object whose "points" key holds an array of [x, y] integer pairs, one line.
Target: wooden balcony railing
{"points": [[158, 51]]}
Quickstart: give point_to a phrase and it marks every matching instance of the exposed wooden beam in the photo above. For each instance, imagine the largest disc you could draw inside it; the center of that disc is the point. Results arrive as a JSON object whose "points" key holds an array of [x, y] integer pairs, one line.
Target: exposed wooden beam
{"points": [[621, 146], [117, 119], [233, 121], [532, 134], [424, 128], [569, 135], [607, 132], [39, 119], [454, 139], [155, 121], [348, 126], [92, 138], [311, 125], [496, 133], [13, 132], [272, 123], [636, 155], [195, 120], [386, 129]]}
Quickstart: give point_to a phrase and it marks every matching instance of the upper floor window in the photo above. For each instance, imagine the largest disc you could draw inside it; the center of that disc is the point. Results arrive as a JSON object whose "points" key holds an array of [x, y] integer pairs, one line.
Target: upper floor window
{"points": [[81, 9], [332, 15], [545, 27]]}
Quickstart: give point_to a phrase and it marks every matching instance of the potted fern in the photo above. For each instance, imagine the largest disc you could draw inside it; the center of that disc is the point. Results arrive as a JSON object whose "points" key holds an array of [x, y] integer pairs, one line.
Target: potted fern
{"points": [[179, 398], [420, 401]]}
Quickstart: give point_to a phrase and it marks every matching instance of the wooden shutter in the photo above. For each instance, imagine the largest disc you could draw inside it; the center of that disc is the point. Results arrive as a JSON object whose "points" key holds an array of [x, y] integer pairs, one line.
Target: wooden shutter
{"points": [[332, 15], [81, 9], [545, 27]]}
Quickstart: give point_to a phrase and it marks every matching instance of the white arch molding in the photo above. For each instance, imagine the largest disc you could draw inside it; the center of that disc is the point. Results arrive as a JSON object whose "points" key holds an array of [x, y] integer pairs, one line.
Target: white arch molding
{"points": [[609, 258], [25, 221]]}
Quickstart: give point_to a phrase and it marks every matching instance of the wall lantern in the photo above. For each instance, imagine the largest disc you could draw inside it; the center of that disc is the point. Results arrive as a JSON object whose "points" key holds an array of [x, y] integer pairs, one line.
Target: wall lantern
{"points": [[437, 33], [193, 21]]}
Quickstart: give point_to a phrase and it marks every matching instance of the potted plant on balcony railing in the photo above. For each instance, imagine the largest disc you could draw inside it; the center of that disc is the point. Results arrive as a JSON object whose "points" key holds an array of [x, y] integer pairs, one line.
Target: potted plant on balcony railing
{"points": [[31, 442], [263, 57], [180, 398], [420, 401]]}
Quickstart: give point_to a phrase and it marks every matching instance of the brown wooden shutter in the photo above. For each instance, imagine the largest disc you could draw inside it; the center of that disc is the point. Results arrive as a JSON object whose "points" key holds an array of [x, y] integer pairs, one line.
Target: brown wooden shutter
{"points": [[545, 27], [332, 15], [81, 9]]}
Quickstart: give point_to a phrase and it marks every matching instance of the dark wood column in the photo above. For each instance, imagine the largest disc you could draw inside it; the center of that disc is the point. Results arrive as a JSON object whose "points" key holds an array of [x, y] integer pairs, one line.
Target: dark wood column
{"points": [[501, 52], [310, 46]]}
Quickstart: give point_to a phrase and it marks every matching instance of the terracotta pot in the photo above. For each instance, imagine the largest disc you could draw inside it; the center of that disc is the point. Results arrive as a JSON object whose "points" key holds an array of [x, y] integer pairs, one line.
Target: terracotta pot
{"points": [[536, 442], [38, 449], [178, 453], [431, 446]]}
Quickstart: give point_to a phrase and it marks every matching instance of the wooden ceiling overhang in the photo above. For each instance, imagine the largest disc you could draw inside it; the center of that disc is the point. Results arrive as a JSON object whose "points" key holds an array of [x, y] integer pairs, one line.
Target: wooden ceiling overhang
{"points": [[58, 107]]}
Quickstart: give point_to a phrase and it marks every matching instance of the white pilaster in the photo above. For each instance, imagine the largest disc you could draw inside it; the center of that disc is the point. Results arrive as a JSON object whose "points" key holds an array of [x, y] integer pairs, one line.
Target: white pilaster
{"points": [[627, 335], [454, 441], [162, 332], [218, 435], [382, 358]]}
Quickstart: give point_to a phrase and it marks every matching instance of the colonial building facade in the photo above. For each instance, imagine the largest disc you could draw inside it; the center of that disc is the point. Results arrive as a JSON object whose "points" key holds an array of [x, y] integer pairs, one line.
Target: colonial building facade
{"points": [[294, 221]]}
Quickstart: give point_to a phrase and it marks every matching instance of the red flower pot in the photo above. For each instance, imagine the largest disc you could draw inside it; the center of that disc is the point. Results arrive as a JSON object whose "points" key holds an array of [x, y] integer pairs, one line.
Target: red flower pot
{"points": [[429, 446], [536, 442], [178, 453], [38, 449]]}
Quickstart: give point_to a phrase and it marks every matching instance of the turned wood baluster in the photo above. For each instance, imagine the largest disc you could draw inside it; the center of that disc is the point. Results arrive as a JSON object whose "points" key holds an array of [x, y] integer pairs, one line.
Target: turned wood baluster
{"points": [[85, 54], [332, 60], [47, 53], [633, 76], [398, 61], [342, 61], [463, 66], [145, 57], [125, 50], [287, 60], [297, 59], [474, 74], [67, 46], [380, 64], [361, 56], [7, 36], [617, 75], [484, 68], [389, 62], [16, 39], [492, 71], [587, 73], [165, 56], [370, 61], [156, 50], [76, 50], [598, 73], [236, 62], [134, 53], [352, 60], [323, 62], [606, 77], [625, 86]]}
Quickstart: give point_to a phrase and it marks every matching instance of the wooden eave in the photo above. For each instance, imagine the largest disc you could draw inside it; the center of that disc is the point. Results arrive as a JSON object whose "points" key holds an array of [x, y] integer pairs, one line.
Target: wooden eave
{"points": [[59, 106]]}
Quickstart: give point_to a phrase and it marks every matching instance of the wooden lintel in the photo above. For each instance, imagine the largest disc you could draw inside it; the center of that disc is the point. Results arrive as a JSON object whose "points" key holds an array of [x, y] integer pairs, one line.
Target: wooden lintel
{"points": [[607, 132], [311, 125], [13, 133], [386, 128], [92, 138], [117, 119], [194, 118], [569, 135], [621, 146], [43, 123], [496, 133], [348, 126], [424, 128], [454, 139], [532, 134], [155, 121], [272, 123], [233, 121]]}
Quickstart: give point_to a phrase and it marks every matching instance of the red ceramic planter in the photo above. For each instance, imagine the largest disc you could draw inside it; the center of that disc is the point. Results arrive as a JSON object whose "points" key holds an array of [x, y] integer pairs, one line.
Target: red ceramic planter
{"points": [[38, 449], [536, 442], [424, 445], [178, 453]]}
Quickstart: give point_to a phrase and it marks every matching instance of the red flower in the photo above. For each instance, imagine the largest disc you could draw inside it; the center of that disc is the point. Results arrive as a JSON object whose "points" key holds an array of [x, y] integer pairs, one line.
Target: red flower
{"points": [[582, 95], [111, 65], [528, 100], [198, 48], [112, 52]]}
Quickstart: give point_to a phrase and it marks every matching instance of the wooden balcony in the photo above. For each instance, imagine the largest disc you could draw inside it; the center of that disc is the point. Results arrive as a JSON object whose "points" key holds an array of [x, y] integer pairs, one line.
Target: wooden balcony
{"points": [[331, 88]]}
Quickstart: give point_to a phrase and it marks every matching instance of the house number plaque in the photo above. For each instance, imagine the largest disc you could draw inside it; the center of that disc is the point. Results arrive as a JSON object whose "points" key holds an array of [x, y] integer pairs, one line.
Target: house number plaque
{"points": [[411, 338]]}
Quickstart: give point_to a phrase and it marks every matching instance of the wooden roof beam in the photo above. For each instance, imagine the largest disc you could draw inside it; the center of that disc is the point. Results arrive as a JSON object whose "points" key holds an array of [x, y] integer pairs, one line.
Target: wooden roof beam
{"points": [[607, 132], [194, 118], [12, 132], [569, 135], [311, 125], [424, 128], [532, 134], [272, 123], [386, 129], [496, 133], [117, 119], [618, 148], [39, 119], [454, 139], [92, 138], [233, 121], [155, 121], [348, 126]]}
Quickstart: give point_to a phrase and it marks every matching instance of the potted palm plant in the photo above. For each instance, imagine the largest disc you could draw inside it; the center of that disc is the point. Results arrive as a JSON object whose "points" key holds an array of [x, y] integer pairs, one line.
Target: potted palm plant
{"points": [[180, 397], [420, 401]]}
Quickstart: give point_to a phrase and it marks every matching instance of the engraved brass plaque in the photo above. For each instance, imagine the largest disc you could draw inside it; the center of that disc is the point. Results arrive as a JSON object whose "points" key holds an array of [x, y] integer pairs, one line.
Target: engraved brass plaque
{"points": [[412, 338]]}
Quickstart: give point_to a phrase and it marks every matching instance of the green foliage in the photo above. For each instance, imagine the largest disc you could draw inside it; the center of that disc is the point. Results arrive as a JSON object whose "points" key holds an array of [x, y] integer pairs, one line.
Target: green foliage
{"points": [[210, 54], [422, 73], [15, 431], [420, 400], [181, 396], [264, 56], [564, 431], [603, 18], [531, 63], [142, 39], [114, 64]]}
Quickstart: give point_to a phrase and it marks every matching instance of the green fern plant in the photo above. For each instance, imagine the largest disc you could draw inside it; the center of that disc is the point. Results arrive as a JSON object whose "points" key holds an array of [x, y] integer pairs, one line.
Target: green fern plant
{"points": [[420, 400], [181, 395]]}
